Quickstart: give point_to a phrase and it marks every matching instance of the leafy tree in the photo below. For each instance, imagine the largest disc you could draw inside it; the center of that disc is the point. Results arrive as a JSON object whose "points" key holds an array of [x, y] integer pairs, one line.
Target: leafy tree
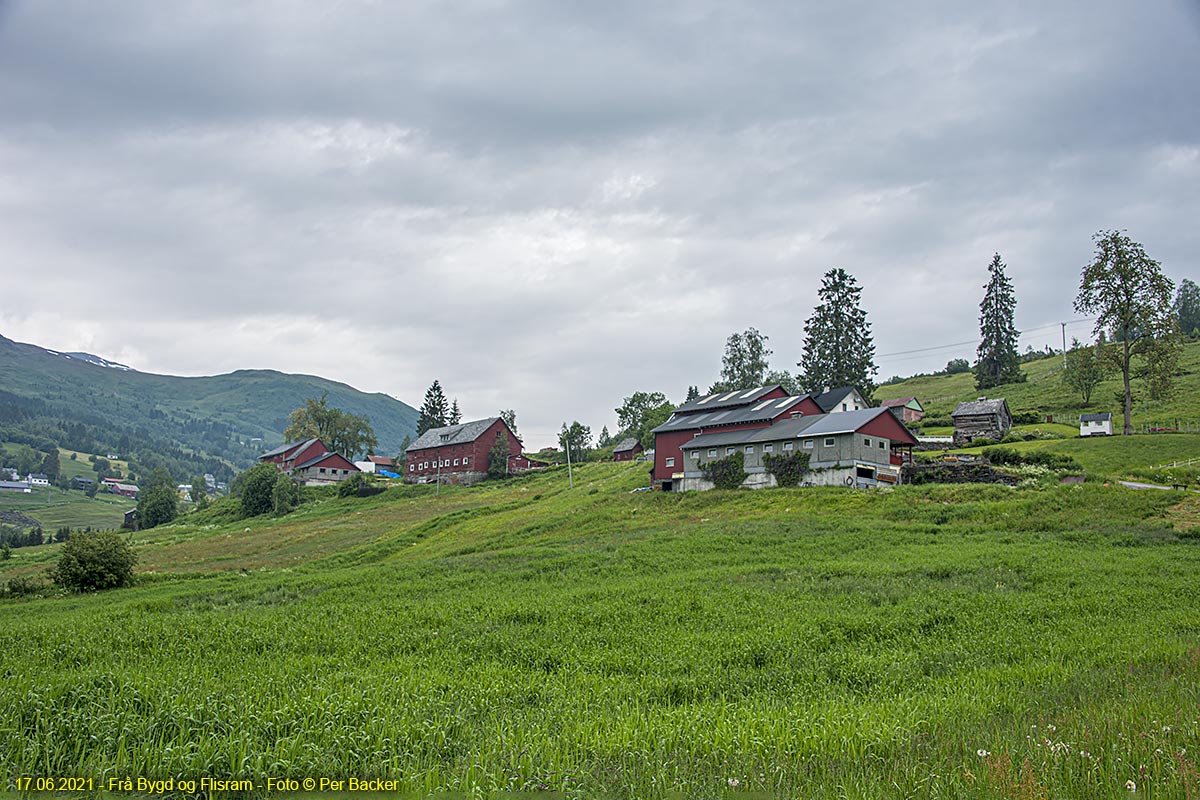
{"points": [[254, 487], [956, 366], [455, 416], [1187, 308], [158, 501], [5, 551], [744, 364], [693, 393], [838, 348], [285, 494], [199, 492], [641, 412], [578, 437], [604, 439], [50, 466], [94, 560], [1131, 296], [784, 379], [498, 457], [510, 419], [434, 411], [1084, 370], [348, 434], [997, 361]]}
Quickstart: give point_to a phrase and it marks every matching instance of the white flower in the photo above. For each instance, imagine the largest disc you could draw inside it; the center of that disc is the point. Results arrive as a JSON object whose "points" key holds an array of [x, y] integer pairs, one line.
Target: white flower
{"points": [[734, 782], [1130, 785], [982, 753]]}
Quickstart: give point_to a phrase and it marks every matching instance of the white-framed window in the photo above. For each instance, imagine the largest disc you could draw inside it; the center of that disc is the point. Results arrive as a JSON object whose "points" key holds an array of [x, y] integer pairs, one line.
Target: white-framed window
{"points": [[768, 448], [712, 453], [830, 442], [789, 445], [866, 441], [808, 444], [465, 460], [730, 451], [882, 444], [321, 470], [749, 448], [671, 461], [843, 406], [695, 454], [456, 462]]}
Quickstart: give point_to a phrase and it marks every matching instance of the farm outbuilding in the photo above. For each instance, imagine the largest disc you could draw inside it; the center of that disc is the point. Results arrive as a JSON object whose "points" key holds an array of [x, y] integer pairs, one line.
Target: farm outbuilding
{"points": [[1095, 424], [906, 409], [627, 449], [981, 419], [459, 453]]}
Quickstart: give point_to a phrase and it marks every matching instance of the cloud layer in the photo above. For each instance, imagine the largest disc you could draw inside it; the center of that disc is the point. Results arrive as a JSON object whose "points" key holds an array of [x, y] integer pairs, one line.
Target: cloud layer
{"points": [[548, 206]]}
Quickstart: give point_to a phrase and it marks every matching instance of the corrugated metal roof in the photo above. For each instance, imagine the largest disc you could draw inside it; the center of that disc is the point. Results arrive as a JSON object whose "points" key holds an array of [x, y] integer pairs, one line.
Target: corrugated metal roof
{"points": [[626, 444], [1102, 417], [717, 439], [812, 425], [283, 448], [463, 433], [763, 411], [725, 399]]}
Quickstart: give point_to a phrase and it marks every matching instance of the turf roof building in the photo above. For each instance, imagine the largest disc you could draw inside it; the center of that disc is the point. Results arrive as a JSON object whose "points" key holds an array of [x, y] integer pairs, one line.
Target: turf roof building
{"points": [[459, 453]]}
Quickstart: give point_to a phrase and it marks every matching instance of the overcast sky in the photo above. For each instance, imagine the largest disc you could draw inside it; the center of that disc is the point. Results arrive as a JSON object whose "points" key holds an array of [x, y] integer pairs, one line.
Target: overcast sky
{"points": [[550, 205]]}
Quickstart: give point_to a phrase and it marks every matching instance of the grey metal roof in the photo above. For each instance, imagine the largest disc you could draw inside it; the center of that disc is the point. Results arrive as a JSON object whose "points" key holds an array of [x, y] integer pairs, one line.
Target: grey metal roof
{"points": [[463, 433], [811, 425], [758, 412], [712, 402], [626, 444], [1102, 417], [718, 439], [973, 407], [323, 457], [15, 485], [283, 448]]}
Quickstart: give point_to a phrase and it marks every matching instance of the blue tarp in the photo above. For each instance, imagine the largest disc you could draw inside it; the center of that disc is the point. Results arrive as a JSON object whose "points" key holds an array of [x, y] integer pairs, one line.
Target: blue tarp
{"points": [[387, 474]]}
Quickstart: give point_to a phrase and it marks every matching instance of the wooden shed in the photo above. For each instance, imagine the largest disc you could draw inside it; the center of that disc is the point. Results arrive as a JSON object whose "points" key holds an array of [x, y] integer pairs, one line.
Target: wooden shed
{"points": [[981, 419]]}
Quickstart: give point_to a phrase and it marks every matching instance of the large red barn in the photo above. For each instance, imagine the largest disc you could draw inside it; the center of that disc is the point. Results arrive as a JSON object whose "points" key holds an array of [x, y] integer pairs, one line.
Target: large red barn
{"points": [[459, 453]]}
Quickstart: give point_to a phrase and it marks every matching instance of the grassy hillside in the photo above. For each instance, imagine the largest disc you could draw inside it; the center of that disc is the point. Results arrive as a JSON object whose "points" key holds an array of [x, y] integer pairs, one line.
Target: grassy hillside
{"points": [[1045, 392], [246, 404], [54, 508], [951, 642]]}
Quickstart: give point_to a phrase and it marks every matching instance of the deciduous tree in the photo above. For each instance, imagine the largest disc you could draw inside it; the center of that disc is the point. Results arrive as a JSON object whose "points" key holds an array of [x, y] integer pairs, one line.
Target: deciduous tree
{"points": [[498, 457], [1187, 308], [997, 361], [510, 419], [578, 437], [158, 500], [199, 492], [838, 347], [348, 434], [1084, 370], [1131, 297], [744, 365]]}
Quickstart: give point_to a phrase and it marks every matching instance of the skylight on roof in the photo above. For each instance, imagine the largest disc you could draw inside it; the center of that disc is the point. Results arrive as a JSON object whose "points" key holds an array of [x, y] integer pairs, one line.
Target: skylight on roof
{"points": [[705, 400], [720, 416], [747, 394], [726, 397], [762, 405], [787, 400]]}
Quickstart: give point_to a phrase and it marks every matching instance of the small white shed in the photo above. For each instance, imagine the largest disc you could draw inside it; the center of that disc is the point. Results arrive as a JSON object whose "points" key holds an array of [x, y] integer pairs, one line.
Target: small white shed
{"points": [[1095, 424]]}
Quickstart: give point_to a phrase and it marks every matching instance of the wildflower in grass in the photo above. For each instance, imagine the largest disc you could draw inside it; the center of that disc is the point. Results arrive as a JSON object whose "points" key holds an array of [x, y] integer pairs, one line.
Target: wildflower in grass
{"points": [[982, 753], [734, 783], [1130, 785]]}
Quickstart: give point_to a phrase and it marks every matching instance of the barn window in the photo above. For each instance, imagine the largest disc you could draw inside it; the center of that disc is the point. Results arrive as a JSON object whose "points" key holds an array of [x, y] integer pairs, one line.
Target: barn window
{"points": [[730, 450], [456, 462], [789, 445], [712, 453], [882, 444], [830, 442], [808, 444], [695, 454], [768, 448], [866, 441], [749, 448], [465, 460], [321, 470], [670, 462]]}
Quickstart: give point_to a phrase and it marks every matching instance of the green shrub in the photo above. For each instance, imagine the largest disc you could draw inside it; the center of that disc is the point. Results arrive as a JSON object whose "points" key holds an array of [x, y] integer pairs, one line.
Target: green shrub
{"points": [[937, 422], [255, 487], [1027, 416], [284, 495], [726, 473], [1041, 458], [352, 485], [20, 586], [787, 469], [94, 560]]}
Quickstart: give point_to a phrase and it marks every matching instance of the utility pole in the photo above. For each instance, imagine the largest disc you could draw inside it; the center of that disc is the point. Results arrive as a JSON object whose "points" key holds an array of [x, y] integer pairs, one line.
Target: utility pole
{"points": [[1064, 329], [567, 443]]}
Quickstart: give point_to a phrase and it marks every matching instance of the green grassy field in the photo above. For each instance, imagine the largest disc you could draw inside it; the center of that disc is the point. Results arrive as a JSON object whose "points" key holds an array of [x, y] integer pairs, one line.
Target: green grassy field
{"points": [[1044, 391], [944, 642], [55, 508]]}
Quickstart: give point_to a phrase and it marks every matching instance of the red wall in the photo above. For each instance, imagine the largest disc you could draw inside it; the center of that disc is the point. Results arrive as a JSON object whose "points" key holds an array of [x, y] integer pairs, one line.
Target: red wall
{"points": [[628, 455], [886, 426], [477, 451]]}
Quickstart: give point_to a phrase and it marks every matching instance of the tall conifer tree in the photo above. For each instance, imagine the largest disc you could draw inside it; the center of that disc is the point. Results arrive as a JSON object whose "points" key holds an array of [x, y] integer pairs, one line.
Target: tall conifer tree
{"points": [[997, 361], [434, 411], [838, 347]]}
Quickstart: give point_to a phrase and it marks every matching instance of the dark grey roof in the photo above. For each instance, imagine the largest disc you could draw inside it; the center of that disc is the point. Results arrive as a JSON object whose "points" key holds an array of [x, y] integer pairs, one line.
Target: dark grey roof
{"points": [[828, 400], [15, 485], [283, 448], [39, 476], [719, 439], [741, 397], [759, 412], [974, 407], [1102, 417], [323, 457], [626, 444], [462, 433], [812, 425]]}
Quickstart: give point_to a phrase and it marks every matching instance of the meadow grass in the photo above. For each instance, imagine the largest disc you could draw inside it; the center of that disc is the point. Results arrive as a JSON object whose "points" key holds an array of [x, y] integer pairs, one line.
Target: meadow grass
{"points": [[54, 507], [933, 641]]}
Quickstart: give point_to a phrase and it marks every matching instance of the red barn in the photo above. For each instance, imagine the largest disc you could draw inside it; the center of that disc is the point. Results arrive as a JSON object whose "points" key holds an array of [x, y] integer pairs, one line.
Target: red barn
{"points": [[287, 456], [627, 450], [310, 461], [724, 411], [459, 453]]}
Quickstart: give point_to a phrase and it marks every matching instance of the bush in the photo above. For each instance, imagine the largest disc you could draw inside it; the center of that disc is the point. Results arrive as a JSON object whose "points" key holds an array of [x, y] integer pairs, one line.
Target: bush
{"points": [[352, 485], [20, 586], [94, 560], [1042, 458], [937, 422], [726, 473], [284, 495], [787, 469], [1027, 416], [255, 486]]}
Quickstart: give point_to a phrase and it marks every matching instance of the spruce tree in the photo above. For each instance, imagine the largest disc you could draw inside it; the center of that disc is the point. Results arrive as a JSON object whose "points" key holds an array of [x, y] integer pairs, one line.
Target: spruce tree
{"points": [[434, 411], [693, 393], [455, 415], [997, 360], [838, 347]]}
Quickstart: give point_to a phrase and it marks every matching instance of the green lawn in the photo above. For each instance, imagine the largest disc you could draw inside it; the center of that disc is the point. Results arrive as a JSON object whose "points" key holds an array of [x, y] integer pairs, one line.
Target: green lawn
{"points": [[941, 642], [1116, 456]]}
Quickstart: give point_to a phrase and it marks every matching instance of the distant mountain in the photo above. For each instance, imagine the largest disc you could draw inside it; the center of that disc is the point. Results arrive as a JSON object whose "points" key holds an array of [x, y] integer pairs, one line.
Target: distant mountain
{"points": [[233, 416]]}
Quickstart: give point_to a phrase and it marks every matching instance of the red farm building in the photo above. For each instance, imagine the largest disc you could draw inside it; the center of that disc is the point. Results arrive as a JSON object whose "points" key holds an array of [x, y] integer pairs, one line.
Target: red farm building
{"points": [[310, 462], [459, 453], [627, 449]]}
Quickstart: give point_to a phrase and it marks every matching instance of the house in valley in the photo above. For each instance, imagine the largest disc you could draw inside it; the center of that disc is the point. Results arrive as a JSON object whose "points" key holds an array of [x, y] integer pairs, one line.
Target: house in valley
{"points": [[906, 409], [863, 448], [627, 449], [1095, 424], [981, 419], [310, 462], [38, 480], [459, 453]]}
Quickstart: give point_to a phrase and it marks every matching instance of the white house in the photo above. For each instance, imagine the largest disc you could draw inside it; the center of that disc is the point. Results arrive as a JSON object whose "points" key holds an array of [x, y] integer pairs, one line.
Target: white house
{"points": [[37, 479], [1095, 424]]}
